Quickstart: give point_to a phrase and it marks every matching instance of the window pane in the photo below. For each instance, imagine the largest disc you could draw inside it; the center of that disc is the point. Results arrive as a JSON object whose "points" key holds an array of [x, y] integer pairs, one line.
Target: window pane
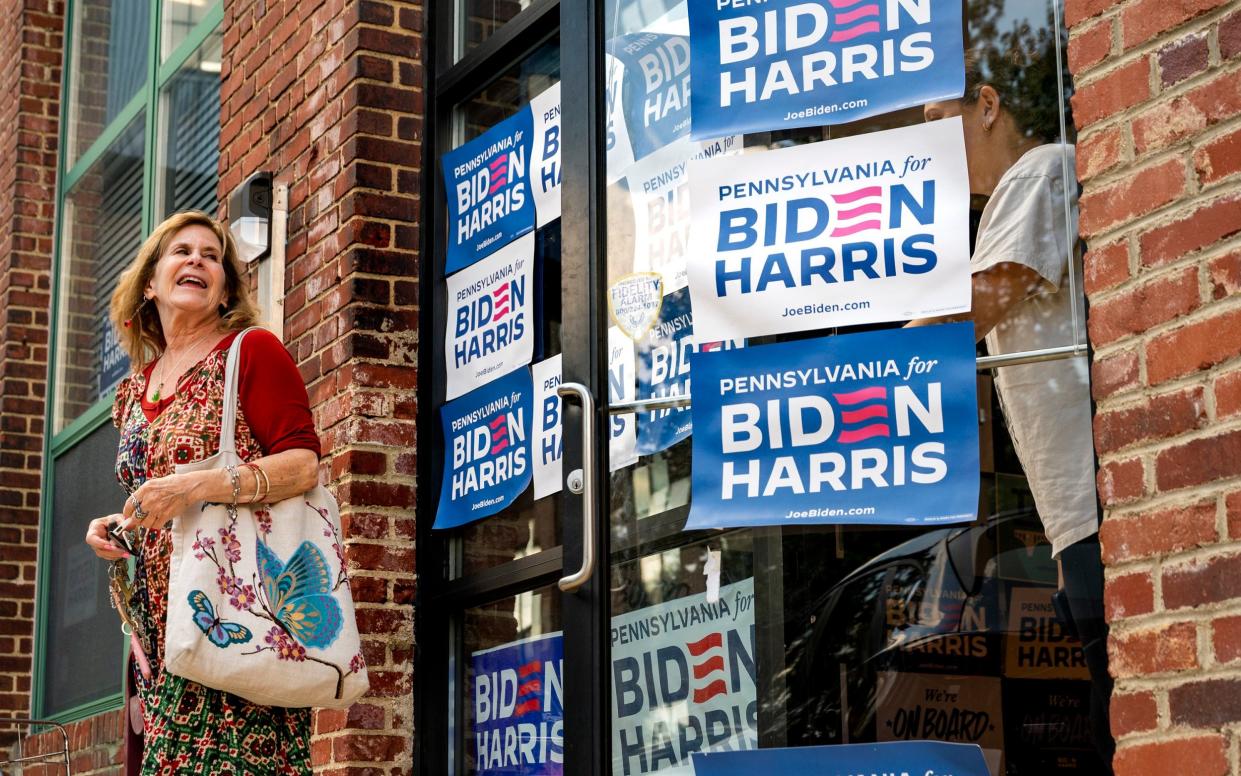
{"points": [[109, 60], [513, 671], [190, 140], [528, 526], [478, 20], [84, 645], [178, 18], [871, 633], [102, 230]]}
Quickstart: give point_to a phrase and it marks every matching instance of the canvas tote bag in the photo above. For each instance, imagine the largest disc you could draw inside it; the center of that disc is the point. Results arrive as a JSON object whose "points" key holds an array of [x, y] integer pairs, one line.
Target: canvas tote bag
{"points": [[259, 603]]}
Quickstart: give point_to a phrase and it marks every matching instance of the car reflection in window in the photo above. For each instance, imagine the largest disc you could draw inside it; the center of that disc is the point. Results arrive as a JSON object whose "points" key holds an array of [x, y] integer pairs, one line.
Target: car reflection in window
{"points": [[950, 636]]}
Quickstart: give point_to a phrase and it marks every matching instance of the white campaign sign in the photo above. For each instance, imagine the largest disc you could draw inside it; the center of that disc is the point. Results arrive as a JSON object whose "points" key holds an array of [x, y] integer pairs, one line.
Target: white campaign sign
{"points": [[545, 165], [622, 387], [619, 147], [490, 329], [547, 441], [683, 681], [858, 230], [659, 190]]}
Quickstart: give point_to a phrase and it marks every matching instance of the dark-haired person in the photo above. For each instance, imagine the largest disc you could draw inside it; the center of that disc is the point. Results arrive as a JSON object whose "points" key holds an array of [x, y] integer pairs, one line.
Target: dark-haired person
{"points": [[1022, 301]]}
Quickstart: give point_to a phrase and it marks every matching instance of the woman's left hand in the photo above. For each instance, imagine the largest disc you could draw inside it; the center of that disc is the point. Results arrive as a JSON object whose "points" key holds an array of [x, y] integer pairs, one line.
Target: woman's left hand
{"points": [[161, 499]]}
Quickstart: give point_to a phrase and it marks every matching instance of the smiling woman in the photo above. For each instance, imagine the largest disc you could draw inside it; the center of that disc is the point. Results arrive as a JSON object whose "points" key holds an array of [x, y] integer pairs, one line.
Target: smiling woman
{"points": [[177, 309]]}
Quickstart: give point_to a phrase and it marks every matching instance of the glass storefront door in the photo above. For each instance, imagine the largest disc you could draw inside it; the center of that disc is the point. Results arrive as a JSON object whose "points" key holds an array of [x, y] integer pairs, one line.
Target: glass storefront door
{"points": [[582, 629]]}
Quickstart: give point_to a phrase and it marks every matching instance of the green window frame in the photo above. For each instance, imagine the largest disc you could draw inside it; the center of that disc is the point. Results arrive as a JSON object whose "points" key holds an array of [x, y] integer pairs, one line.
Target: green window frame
{"points": [[160, 71]]}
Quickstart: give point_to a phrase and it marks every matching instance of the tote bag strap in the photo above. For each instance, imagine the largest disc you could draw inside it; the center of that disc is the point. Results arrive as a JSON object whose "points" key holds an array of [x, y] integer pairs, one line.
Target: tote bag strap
{"points": [[228, 422]]}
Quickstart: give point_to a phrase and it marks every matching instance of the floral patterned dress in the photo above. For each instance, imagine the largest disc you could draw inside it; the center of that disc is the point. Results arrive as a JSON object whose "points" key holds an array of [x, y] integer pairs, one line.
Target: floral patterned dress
{"points": [[189, 728]]}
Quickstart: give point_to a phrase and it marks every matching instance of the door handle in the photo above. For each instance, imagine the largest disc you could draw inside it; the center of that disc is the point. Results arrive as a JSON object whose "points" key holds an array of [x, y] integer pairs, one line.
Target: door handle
{"points": [[578, 578]]}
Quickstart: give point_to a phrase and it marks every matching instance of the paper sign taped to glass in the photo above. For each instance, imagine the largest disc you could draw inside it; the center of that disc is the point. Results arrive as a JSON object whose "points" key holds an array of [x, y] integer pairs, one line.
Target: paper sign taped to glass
{"points": [[486, 182], [663, 357], [864, 429], [655, 98], [490, 329], [546, 169], [659, 191], [684, 680], [547, 442], [864, 229], [916, 758], [517, 693], [547, 445], [781, 64], [486, 450]]}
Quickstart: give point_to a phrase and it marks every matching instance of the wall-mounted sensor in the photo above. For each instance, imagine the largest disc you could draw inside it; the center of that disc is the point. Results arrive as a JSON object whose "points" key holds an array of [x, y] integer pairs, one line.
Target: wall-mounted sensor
{"points": [[249, 216]]}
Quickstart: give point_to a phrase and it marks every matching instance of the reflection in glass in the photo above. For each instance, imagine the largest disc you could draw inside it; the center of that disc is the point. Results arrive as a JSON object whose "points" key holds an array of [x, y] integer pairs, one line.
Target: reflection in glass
{"points": [[478, 20], [190, 151], [107, 66], [513, 662], [83, 645], [102, 229], [177, 19], [685, 672]]}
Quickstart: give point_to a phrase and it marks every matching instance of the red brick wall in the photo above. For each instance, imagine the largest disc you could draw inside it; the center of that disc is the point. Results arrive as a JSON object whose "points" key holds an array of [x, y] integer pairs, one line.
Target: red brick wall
{"points": [[30, 56], [1158, 106], [328, 96], [95, 748]]}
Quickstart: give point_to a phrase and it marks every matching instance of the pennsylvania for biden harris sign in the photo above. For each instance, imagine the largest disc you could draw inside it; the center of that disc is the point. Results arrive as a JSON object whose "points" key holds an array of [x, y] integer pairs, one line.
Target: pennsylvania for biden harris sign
{"points": [[871, 428], [487, 450], [487, 182], [858, 230], [759, 65]]}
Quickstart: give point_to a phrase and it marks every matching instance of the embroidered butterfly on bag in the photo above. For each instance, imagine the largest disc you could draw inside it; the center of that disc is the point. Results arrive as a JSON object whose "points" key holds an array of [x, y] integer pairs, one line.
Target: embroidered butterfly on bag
{"points": [[218, 632], [299, 594]]}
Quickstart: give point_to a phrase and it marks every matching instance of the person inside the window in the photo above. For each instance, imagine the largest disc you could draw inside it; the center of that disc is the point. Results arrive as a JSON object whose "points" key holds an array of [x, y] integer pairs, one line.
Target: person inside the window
{"points": [[1023, 301]]}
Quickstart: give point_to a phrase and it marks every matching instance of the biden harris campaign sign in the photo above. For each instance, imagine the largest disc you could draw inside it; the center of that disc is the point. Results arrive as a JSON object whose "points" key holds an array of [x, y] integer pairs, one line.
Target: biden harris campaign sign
{"points": [[872, 428], [779, 64], [659, 192], [684, 680], [486, 450], [490, 329], [487, 184], [656, 88], [859, 230], [663, 365], [518, 708], [903, 758]]}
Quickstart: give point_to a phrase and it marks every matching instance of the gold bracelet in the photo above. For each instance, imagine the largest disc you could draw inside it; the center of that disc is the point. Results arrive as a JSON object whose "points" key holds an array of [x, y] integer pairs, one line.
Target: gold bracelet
{"points": [[263, 482]]}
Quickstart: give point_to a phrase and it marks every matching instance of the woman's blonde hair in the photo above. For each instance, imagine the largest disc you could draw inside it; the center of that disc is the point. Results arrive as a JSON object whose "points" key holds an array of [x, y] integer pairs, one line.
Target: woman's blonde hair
{"points": [[137, 323]]}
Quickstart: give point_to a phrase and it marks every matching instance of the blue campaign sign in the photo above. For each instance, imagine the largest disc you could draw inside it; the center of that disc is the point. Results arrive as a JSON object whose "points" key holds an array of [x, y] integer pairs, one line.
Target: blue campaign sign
{"points": [[518, 708], [901, 758], [486, 449], [872, 428], [792, 63], [486, 181], [663, 356], [655, 95]]}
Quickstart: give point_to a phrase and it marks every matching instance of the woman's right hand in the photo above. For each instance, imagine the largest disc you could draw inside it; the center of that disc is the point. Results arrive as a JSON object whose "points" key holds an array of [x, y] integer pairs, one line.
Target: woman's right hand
{"points": [[97, 538]]}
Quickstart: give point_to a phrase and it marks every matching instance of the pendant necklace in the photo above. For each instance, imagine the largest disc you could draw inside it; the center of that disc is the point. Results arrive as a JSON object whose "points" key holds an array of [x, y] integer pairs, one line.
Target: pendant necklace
{"points": [[159, 387]]}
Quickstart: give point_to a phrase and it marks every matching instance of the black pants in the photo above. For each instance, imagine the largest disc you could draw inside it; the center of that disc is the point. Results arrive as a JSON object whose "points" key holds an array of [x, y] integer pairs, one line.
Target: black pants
{"points": [[1082, 567]]}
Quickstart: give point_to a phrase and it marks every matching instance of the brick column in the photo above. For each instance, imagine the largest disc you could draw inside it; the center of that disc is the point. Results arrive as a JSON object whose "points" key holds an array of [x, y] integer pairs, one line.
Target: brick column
{"points": [[1158, 104], [328, 96], [31, 38]]}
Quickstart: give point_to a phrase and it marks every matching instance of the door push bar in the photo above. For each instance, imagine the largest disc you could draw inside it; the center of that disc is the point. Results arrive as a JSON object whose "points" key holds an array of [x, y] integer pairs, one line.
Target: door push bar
{"points": [[582, 482]]}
